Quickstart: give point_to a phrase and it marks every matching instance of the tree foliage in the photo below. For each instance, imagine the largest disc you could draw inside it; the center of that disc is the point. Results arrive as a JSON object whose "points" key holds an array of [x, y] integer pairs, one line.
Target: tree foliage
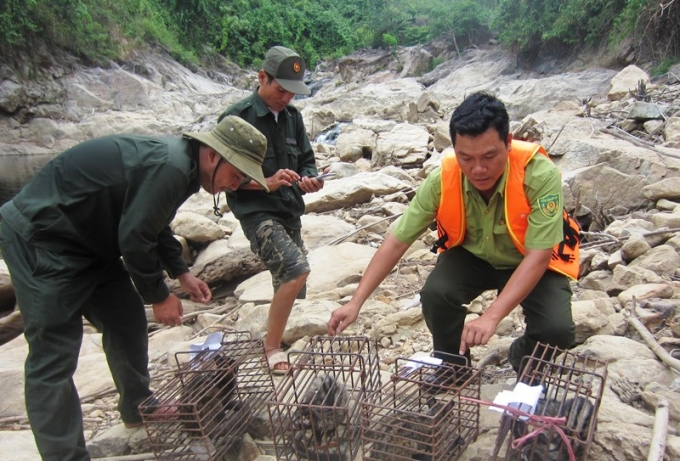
{"points": [[318, 29], [531, 25]]}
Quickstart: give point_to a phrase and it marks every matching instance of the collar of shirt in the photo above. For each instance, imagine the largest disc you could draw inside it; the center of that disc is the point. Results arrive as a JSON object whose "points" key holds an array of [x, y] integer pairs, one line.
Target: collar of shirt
{"points": [[261, 109]]}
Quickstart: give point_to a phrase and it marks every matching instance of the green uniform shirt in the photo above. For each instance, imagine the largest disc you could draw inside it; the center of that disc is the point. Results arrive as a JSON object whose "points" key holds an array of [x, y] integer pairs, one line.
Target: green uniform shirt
{"points": [[110, 197], [486, 234], [287, 147]]}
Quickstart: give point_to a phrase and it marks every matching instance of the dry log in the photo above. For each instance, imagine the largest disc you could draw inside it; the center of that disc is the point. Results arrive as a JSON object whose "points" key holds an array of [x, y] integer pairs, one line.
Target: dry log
{"points": [[137, 457], [618, 133], [657, 446], [11, 326], [663, 355], [493, 357], [8, 298], [343, 237]]}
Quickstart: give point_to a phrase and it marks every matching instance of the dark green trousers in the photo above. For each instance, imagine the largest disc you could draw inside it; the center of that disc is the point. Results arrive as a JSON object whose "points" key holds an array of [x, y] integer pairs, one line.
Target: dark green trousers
{"points": [[459, 277], [55, 288]]}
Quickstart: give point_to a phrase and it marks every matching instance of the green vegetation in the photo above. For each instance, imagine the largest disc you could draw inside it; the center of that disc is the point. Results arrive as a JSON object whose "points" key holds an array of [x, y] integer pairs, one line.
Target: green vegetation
{"points": [[533, 25], [664, 66], [243, 30]]}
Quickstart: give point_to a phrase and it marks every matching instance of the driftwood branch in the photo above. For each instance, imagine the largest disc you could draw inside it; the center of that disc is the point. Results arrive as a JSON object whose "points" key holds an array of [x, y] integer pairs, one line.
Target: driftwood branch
{"points": [[492, 357], [618, 133], [665, 357], [343, 237], [657, 446], [14, 419], [608, 239], [137, 457]]}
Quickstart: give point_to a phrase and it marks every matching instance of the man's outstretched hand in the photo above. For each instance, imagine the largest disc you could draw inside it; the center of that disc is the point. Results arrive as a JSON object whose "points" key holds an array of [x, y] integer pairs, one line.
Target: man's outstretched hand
{"points": [[198, 290]]}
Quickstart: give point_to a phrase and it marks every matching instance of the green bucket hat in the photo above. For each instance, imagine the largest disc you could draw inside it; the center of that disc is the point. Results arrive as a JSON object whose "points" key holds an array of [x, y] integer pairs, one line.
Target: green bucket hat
{"points": [[287, 67], [240, 143]]}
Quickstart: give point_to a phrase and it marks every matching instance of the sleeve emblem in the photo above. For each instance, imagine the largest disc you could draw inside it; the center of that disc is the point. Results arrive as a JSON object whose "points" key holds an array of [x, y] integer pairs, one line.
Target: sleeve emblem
{"points": [[549, 205]]}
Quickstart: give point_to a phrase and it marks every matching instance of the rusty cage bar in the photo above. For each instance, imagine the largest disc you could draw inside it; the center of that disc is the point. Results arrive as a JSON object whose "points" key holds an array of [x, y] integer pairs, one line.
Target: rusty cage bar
{"points": [[422, 413], [572, 388], [316, 408], [207, 406]]}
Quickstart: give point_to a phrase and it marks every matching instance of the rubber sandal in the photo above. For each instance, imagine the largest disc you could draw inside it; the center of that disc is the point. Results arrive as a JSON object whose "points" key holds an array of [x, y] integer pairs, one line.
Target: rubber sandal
{"points": [[274, 359]]}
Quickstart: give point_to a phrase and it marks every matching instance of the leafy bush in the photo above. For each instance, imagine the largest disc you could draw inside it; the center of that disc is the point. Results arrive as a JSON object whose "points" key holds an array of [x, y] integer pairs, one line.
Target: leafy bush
{"points": [[389, 40], [318, 29], [664, 66]]}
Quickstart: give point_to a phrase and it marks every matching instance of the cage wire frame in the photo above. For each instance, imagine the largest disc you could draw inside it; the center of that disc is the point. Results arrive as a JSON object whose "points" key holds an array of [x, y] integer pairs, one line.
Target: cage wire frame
{"points": [[364, 346], [206, 407], [315, 412], [423, 412], [573, 386]]}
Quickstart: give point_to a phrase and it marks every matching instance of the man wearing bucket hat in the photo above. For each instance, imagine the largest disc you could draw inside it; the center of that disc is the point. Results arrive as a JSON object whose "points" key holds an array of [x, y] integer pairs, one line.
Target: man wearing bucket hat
{"points": [[63, 237], [271, 221]]}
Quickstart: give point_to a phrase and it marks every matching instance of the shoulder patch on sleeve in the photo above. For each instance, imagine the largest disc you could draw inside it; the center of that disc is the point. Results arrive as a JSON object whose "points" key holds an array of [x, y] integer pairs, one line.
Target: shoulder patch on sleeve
{"points": [[549, 205]]}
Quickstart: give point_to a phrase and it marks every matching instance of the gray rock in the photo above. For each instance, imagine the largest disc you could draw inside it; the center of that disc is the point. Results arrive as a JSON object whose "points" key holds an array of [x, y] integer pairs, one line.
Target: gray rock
{"points": [[355, 144], [597, 280], [634, 247], [643, 111], [660, 260], [196, 228], [624, 277], [589, 321], [354, 190], [645, 291], [10, 96], [668, 188], [626, 81]]}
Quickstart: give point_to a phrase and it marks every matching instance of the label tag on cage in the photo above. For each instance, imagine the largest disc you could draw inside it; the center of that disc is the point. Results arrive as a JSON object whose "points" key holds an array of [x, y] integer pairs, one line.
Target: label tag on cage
{"points": [[416, 361], [522, 397], [212, 343]]}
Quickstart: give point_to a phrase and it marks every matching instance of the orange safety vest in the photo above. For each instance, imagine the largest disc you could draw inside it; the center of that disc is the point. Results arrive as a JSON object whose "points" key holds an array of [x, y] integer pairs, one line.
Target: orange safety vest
{"points": [[451, 212]]}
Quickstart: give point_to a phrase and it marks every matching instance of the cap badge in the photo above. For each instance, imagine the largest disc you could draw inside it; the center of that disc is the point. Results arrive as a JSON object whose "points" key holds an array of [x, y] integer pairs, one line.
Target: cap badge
{"points": [[296, 67]]}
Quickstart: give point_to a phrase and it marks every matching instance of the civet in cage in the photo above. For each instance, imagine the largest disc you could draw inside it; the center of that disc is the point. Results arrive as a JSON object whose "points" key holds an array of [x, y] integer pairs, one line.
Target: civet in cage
{"points": [[572, 388], [315, 412], [206, 407], [427, 411], [320, 421]]}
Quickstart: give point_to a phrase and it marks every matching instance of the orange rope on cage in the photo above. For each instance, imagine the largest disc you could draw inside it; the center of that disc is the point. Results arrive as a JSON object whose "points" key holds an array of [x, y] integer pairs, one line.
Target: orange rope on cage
{"points": [[540, 422]]}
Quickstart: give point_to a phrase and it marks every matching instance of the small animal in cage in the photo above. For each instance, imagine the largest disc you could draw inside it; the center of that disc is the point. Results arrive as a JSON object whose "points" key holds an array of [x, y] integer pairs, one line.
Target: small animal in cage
{"points": [[318, 419], [209, 396], [549, 445], [411, 433]]}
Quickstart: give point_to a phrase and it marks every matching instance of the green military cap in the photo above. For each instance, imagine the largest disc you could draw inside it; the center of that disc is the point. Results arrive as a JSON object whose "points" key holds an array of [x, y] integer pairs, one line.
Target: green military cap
{"points": [[287, 67], [240, 143]]}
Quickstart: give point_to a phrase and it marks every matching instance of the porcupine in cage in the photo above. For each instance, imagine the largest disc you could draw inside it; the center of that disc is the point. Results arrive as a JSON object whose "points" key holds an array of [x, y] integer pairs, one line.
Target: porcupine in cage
{"points": [[549, 445], [316, 421], [407, 433], [210, 397]]}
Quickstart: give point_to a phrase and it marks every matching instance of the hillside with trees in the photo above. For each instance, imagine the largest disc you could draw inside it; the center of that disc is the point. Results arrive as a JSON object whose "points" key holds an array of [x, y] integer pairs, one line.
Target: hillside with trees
{"points": [[241, 30]]}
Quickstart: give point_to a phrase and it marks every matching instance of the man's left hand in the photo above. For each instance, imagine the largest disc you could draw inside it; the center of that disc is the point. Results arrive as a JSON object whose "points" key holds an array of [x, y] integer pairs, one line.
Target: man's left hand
{"points": [[310, 185], [169, 311], [198, 290], [477, 332]]}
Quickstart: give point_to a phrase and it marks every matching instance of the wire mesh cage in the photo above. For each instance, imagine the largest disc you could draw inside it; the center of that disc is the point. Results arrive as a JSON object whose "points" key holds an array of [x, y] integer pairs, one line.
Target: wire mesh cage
{"points": [[572, 388], [206, 407], [427, 411], [363, 346], [316, 410]]}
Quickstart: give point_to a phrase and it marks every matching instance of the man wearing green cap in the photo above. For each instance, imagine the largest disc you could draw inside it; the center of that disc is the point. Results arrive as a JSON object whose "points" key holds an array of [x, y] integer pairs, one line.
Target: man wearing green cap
{"points": [[63, 237], [271, 221]]}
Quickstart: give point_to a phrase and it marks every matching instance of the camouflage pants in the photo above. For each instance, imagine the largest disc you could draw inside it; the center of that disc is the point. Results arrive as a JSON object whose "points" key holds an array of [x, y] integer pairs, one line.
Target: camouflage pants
{"points": [[281, 249]]}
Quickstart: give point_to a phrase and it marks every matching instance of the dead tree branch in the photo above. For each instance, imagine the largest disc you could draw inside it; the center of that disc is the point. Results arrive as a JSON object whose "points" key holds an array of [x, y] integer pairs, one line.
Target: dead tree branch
{"points": [[660, 352], [657, 446]]}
